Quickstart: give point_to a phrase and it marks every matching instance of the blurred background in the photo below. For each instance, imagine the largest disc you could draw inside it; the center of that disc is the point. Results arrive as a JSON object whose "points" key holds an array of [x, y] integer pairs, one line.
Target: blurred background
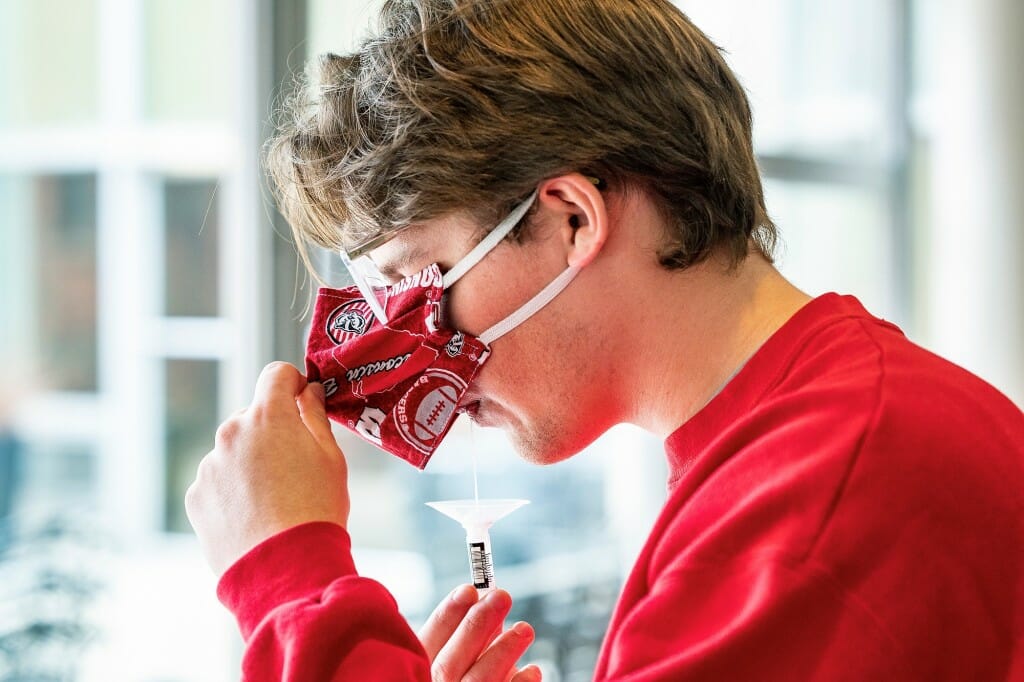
{"points": [[145, 279]]}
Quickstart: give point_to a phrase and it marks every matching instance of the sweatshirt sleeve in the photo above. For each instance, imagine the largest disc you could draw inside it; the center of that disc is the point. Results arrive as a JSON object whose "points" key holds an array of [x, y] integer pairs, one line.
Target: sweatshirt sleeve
{"points": [[305, 614]]}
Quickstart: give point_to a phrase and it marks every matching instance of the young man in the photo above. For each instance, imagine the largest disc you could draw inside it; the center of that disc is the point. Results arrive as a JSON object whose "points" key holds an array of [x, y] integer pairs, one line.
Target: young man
{"points": [[843, 505]]}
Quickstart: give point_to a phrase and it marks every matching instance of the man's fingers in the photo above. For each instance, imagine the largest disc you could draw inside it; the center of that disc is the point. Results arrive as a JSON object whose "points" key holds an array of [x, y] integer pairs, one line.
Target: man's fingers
{"points": [[501, 656], [278, 386], [445, 619], [314, 416], [472, 636]]}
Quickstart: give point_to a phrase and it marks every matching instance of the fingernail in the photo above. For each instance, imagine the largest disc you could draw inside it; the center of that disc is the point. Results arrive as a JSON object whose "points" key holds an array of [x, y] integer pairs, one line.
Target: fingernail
{"points": [[318, 390], [533, 670], [523, 629], [495, 597], [464, 595]]}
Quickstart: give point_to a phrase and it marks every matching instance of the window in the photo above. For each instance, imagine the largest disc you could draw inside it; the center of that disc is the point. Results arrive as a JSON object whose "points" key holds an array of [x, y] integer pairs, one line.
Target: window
{"points": [[49, 261], [191, 248], [135, 315], [829, 89]]}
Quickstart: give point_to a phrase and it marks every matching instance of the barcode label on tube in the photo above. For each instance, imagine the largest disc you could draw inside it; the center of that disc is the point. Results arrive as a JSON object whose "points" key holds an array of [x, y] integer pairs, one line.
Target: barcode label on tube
{"points": [[480, 566]]}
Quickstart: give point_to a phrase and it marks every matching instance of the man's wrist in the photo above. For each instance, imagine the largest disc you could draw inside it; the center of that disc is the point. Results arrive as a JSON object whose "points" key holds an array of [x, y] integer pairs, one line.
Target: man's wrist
{"points": [[293, 564]]}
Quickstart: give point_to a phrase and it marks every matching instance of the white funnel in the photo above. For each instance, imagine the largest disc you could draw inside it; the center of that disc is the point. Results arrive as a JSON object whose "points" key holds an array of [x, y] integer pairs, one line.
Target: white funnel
{"points": [[476, 517]]}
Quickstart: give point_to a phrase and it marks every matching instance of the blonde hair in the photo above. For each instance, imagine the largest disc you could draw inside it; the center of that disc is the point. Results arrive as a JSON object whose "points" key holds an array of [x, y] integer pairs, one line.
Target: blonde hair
{"points": [[468, 104]]}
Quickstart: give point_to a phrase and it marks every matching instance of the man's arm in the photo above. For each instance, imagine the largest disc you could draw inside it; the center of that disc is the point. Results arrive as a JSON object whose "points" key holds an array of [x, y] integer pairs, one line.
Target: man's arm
{"points": [[306, 615], [269, 505]]}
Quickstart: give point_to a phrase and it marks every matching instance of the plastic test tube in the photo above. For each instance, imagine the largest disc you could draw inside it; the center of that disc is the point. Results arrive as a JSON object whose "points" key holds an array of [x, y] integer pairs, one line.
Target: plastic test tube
{"points": [[477, 517], [481, 559]]}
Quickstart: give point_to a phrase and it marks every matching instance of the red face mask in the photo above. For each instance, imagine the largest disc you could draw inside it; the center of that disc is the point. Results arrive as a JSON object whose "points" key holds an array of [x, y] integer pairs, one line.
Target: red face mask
{"points": [[397, 384], [390, 372]]}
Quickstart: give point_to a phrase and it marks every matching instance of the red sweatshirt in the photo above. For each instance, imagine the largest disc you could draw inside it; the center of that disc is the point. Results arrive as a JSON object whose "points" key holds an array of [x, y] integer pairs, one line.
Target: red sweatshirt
{"points": [[848, 507]]}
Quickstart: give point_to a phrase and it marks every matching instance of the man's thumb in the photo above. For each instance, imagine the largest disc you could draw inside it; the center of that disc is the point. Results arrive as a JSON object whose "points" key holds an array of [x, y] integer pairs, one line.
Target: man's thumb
{"points": [[314, 415]]}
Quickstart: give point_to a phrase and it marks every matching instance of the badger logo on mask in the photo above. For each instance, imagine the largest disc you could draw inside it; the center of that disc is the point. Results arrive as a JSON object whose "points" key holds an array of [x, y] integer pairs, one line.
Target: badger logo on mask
{"points": [[349, 320], [454, 347]]}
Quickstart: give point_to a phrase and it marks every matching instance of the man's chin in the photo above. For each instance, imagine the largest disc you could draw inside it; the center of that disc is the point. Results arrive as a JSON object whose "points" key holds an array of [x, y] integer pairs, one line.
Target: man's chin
{"points": [[539, 450]]}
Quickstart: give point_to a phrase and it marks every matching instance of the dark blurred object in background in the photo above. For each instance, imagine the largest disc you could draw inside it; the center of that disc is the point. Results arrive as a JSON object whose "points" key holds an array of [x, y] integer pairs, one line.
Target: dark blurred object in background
{"points": [[48, 578], [10, 449]]}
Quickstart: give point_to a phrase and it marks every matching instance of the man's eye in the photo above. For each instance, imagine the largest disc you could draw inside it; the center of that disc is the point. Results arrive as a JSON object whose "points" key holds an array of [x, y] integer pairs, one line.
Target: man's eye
{"points": [[389, 276]]}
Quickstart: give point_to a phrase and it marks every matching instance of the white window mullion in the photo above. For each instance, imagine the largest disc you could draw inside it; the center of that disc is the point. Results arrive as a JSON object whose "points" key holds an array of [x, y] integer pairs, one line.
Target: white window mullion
{"points": [[246, 274], [130, 473], [189, 150], [18, 333], [195, 338]]}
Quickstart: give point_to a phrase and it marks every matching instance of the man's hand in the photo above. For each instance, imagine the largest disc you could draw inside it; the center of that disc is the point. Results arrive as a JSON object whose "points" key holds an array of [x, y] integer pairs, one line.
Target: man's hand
{"points": [[274, 465], [463, 640]]}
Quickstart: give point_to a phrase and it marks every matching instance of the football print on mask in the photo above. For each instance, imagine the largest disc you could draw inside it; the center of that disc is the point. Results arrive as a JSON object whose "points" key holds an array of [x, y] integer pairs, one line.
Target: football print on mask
{"points": [[427, 410]]}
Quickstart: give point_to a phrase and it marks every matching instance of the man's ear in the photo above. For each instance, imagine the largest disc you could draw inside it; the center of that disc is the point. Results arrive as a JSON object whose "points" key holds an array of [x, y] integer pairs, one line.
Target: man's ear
{"points": [[580, 213]]}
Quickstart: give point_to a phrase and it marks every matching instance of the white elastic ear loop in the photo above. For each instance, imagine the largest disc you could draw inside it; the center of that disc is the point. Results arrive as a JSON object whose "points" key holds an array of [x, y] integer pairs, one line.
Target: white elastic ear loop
{"points": [[364, 288], [487, 243], [530, 307]]}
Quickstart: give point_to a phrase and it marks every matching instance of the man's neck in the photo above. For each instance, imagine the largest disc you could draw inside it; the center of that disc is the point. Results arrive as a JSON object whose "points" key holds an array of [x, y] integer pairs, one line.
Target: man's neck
{"points": [[701, 325]]}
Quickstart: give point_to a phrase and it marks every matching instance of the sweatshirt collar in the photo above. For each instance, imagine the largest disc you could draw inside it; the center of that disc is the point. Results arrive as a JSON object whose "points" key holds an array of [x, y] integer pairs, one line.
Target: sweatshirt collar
{"points": [[764, 370]]}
